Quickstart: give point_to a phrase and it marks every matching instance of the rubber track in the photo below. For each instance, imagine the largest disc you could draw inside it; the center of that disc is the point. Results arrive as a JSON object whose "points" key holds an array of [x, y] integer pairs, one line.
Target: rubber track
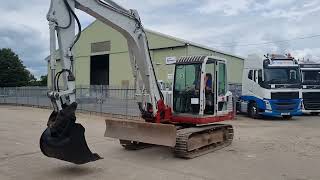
{"points": [[183, 135]]}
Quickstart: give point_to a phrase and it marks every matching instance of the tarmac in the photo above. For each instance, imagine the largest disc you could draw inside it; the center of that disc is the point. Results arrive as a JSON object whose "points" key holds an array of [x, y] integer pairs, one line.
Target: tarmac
{"points": [[271, 149]]}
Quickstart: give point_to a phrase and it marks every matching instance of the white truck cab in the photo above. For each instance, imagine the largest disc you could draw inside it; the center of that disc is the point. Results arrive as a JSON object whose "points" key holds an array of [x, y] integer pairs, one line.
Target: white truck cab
{"points": [[271, 87], [310, 87]]}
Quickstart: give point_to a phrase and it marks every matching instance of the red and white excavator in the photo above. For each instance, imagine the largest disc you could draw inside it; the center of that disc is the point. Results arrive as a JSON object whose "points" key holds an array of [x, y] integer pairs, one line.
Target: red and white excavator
{"points": [[200, 92]]}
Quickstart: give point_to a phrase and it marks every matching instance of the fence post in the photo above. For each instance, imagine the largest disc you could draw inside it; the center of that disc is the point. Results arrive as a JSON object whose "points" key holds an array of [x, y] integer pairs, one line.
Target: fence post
{"points": [[80, 96], [4, 95], [127, 101], [101, 97], [28, 95], [16, 93], [37, 95]]}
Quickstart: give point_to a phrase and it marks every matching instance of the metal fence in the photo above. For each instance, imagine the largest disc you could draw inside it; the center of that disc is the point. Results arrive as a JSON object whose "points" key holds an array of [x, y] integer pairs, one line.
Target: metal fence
{"points": [[236, 90], [95, 99]]}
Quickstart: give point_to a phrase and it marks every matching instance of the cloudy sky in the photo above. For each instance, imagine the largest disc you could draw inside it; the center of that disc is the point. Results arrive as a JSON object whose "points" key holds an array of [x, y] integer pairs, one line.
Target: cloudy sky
{"points": [[241, 27]]}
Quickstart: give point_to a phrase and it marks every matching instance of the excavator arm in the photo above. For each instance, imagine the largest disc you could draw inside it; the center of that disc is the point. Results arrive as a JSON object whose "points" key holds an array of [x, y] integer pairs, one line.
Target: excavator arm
{"points": [[64, 139], [62, 20]]}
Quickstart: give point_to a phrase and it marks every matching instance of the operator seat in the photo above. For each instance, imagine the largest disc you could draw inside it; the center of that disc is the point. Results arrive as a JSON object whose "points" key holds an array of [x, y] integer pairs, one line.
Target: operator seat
{"points": [[209, 94]]}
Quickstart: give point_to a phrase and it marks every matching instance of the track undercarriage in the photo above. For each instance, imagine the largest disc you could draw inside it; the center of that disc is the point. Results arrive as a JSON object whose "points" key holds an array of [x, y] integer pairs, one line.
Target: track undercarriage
{"points": [[197, 141], [193, 141]]}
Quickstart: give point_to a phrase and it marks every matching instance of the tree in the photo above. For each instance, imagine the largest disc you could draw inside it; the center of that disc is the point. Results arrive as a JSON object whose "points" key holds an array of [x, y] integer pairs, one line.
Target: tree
{"points": [[12, 72], [44, 80]]}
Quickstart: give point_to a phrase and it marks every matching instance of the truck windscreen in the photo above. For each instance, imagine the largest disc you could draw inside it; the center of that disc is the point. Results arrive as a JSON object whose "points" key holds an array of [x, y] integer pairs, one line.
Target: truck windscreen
{"points": [[281, 76], [311, 77]]}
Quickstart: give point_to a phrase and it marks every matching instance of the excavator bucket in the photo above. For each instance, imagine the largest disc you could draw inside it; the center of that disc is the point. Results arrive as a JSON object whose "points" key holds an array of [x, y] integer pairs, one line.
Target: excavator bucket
{"points": [[64, 139], [143, 132]]}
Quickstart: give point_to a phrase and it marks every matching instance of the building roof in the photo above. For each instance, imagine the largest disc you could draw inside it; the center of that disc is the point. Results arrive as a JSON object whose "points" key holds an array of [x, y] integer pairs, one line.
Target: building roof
{"points": [[192, 43], [179, 40], [183, 41]]}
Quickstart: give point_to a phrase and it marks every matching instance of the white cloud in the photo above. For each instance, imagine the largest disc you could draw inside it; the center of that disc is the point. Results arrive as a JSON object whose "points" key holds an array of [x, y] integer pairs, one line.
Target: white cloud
{"points": [[290, 9], [307, 53], [187, 32], [24, 29], [150, 4], [273, 4], [292, 14], [227, 7], [214, 23]]}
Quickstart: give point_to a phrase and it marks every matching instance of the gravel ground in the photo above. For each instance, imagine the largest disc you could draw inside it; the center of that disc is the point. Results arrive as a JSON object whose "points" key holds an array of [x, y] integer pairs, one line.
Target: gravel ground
{"points": [[262, 150]]}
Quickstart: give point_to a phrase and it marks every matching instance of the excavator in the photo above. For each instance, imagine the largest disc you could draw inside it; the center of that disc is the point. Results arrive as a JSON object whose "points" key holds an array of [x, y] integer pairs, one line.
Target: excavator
{"points": [[189, 124]]}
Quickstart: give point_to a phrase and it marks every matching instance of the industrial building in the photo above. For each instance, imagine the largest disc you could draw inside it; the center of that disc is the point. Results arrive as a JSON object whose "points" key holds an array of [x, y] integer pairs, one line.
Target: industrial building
{"points": [[102, 58]]}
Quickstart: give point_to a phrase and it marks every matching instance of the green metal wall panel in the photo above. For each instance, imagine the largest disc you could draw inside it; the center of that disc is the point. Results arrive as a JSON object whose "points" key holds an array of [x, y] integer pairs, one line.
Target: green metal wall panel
{"points": [[157, 41], [99, 32], [120, 69], [159, 61], [82, 70], [195, 51]]}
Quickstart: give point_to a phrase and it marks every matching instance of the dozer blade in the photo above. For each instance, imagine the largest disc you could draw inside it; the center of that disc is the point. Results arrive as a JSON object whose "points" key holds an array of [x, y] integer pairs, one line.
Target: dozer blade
{"points": [[151, 133], [64, 139]]}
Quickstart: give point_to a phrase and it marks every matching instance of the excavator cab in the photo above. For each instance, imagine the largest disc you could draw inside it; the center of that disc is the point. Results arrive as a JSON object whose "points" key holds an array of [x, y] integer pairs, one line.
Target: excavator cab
{"points": [[200, 87]]}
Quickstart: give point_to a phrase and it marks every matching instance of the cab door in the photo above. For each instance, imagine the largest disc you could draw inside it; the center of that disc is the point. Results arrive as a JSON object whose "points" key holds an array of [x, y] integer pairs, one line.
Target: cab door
{"points": [[256, 88], [209, 87], [221, 87]]}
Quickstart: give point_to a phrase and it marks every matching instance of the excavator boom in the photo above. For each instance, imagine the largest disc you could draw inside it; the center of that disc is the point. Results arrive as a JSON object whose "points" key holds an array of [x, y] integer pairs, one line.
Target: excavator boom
{"points": [[64, 139]]}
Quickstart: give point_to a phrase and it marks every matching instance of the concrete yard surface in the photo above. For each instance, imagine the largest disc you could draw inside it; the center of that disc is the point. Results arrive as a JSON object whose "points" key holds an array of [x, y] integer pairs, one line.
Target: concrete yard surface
{"points": [[261, 150]]}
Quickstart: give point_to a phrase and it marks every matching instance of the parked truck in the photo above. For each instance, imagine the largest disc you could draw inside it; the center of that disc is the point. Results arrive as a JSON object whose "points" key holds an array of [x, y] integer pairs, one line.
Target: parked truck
{"points": [[310, 87], [271, 87]]}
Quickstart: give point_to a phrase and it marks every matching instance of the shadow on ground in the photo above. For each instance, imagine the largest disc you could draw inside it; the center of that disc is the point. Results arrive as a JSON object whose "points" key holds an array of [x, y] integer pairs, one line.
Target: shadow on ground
{"points": [[75, 171]]}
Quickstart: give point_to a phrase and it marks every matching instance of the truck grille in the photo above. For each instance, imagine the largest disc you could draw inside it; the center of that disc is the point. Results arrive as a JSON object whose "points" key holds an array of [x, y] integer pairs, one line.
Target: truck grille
{"points": [[285, 95], [311, 100], [284, 106]]}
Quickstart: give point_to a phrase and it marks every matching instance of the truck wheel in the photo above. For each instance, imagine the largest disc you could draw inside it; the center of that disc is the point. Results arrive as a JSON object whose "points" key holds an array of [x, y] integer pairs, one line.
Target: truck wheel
{"points": [[253, 111], [287, 117]]}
